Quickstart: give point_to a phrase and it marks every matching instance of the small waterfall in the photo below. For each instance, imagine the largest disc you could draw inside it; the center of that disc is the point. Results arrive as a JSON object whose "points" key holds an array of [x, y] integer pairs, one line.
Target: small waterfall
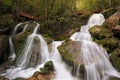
{"points": [[16, 27], [95, 58], [63, 72], [12, 51]]}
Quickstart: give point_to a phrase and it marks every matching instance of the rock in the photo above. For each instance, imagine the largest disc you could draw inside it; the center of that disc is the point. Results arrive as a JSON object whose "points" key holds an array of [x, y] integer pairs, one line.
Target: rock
{"points": [[115, 58], [69, 51], [48, 66], [39, 76], [4, 48], [113, 20], [116, 31], [100, 32], [19, 40]]}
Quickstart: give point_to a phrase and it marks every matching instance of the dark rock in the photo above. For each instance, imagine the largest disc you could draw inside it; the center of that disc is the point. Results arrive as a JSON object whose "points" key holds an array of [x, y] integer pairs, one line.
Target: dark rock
{"points": [[115, 58], [116, 31], [49, 65], [4, 48], [4, 31]]}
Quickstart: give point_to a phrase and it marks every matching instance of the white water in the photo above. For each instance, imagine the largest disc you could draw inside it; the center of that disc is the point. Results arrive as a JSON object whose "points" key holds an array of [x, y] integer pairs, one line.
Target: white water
{"points": [[95, 58], [63, 72]]}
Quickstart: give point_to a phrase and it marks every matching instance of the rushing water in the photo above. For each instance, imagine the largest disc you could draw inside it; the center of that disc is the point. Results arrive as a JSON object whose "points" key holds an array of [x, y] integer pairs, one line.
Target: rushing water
{"points": [[95, 58]]}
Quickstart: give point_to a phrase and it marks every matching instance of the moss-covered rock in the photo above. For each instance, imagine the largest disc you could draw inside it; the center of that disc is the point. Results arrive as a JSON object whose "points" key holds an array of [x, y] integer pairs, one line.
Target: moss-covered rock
{"points": [[44, 71], [100, 32], [48, 67], [70, 51], [104, 37], [115, 58]]}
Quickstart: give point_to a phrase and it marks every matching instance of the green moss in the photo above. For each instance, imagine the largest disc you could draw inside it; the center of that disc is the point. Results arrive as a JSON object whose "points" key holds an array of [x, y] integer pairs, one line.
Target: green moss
{"points": [[44, 71], [49, 65], [116, 59], [68, 57]]}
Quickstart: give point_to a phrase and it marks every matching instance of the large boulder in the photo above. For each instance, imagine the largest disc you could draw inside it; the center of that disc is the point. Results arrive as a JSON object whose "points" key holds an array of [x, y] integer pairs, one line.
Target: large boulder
{"points": [[104, 37], [100, 32], [70, 51], [4, 48], [113, 23], [113, 20]]}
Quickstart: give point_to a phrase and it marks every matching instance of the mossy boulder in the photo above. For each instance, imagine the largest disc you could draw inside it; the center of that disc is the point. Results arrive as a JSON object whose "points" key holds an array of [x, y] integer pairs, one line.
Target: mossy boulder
{"points": [[115, 58], [104, 37], [48, 67], [70, 51], [100, 32]]}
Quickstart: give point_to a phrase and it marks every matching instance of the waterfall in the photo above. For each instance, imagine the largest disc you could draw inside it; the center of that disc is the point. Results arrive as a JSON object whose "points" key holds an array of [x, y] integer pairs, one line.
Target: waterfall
{"points": [[12, 51], [63, 72], [95, 58], [25, 55]]}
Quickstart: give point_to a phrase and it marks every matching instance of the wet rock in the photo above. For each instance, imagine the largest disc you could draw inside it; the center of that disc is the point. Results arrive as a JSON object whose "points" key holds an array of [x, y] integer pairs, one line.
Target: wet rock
{"points": [[100, 32], [70, 52], [115, 58], [4, 48], [46, 73], [48, 66], [42, 77]]}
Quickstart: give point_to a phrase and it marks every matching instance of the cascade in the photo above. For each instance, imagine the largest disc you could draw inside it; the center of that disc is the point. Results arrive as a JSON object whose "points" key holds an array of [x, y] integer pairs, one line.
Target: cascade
{"points": [[12, 51], [95, 58]]}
